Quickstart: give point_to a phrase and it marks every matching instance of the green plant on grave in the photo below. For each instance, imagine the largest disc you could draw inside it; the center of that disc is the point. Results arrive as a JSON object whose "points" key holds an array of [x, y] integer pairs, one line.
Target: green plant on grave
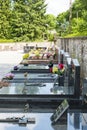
{"points": [[37, 53]]}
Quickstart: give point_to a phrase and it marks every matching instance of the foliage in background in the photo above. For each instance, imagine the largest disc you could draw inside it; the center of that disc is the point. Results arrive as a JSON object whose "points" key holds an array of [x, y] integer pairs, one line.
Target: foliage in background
{"points": [[78, 26], [5, 7], [25, 20], [29, 20], [6, 41]]}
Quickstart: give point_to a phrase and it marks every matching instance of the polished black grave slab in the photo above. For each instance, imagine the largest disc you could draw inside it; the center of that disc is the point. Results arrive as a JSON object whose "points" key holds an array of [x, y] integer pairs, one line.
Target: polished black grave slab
{"points": [[35, 89], [33, 78], [75, 121], [32, 68], [42, 121]]}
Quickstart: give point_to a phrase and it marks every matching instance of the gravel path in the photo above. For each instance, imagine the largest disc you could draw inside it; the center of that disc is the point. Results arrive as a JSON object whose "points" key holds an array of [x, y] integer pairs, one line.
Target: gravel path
{"points": [[8, 59]]}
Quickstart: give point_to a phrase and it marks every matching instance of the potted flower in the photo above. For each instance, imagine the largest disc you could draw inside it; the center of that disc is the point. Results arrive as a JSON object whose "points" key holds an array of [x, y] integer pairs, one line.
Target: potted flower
{"points": [[61, 70], [16, 68], [9, 76], [55, 70], [26, 56]]}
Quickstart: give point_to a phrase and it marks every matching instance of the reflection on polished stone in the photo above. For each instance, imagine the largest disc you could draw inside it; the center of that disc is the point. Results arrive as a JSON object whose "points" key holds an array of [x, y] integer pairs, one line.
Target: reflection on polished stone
{"points": [[42, 121], [74, 120], [38, 88]]}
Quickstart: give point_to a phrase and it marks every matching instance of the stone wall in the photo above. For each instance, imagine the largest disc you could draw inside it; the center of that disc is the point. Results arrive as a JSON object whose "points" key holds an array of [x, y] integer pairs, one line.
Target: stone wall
{"points": [[11, 46], [77, 48], [20, 45]]}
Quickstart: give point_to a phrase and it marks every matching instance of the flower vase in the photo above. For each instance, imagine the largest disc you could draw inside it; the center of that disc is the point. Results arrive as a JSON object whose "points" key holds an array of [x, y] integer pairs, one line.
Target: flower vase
{"points": [[50, 69], [15, 67], [25, 64], [61, 80], [10, 78]]}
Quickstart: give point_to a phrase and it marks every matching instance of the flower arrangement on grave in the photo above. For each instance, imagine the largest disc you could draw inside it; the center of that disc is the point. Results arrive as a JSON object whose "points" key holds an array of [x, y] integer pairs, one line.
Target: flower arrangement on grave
{"points": [[55, 70], [59, 70], [26, 56], [9, 76], [16, 68]]}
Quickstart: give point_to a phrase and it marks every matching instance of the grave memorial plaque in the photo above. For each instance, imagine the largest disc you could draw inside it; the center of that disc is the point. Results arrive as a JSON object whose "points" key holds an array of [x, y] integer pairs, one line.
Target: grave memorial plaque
{"points": [[59, 111], [85, 88], [76, 77], [66, 55], [69, 72], [73, 75], [61, 56]]}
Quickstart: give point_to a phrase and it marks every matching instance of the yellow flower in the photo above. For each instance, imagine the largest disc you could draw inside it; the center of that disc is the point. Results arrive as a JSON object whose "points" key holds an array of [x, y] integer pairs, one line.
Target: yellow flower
{"points": [[55, 69], [25, 56]]}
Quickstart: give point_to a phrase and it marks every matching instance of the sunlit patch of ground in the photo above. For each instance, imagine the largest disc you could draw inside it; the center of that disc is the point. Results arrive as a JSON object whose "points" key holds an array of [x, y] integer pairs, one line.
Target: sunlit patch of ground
{"points": [[8, 59]]}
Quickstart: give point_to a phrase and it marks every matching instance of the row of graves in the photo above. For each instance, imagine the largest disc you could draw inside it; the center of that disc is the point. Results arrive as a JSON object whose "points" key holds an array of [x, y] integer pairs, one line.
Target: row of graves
{"points": [[43, 95], [39, 55]]}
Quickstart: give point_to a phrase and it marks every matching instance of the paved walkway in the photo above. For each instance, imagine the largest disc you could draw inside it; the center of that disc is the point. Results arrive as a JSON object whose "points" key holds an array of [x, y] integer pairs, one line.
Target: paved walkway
{"points": [[8, 59]]}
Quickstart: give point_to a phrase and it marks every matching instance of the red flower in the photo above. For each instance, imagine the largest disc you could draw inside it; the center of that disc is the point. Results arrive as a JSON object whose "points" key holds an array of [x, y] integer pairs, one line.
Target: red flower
{"points": [[60, 66]]}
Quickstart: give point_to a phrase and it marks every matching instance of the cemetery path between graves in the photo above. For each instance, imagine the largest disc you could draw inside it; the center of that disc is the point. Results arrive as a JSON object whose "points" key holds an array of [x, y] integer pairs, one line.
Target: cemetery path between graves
{"points": [[8, 59]]}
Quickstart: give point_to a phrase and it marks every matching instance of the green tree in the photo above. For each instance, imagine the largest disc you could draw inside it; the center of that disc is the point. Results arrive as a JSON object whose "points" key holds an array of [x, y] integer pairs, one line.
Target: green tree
{"points": [[78, 22], [62, 24], [5, 10], [51, 21], [28, 20]]}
